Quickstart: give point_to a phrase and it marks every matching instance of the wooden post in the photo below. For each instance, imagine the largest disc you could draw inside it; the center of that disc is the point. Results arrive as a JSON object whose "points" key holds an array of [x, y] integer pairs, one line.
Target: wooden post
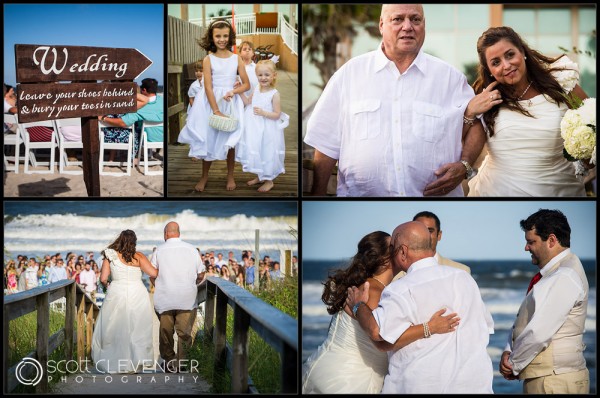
{"points": [[289, 370], [89, 329], [43, 333], [69, 320], [239, 371], [209, 309], [80, 330], [220, 337], [256, 257], [91, 155]]}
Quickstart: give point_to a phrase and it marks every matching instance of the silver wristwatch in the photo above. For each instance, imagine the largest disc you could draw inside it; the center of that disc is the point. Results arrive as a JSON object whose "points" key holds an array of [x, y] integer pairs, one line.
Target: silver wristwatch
{"points": [[470, 172], [355, 308]]}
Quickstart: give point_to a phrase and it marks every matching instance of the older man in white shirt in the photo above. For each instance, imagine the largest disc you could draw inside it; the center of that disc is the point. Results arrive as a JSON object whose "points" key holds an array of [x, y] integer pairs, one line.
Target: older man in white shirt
{"points": [[395, 119], [179, 269], [451, 363], [545, 348]]}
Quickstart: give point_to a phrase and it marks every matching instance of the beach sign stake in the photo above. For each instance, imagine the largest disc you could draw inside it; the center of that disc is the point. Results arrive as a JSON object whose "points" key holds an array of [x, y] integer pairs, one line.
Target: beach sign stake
{"points": [[59, 82]]}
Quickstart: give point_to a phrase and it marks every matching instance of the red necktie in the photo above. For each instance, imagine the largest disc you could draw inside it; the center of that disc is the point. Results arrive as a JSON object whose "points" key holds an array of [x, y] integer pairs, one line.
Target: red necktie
{"points": [[534, 280]]}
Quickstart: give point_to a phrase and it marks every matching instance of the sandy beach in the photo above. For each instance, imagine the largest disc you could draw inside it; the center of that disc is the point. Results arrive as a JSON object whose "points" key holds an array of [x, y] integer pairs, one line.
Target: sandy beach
{"points": [[72, 185]]}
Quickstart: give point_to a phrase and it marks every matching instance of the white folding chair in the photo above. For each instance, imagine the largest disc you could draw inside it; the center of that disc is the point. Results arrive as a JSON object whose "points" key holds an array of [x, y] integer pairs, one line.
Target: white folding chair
{"points": [[68, 128], [127, 146], [32, 143], [149, 145], [12, 139]]}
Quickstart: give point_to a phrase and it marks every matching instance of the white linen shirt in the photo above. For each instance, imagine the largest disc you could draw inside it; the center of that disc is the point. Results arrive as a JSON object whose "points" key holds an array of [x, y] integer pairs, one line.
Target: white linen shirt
{"points": [[178, 265], [89, 279], [390, 131], [554, 297], [450, 363]]}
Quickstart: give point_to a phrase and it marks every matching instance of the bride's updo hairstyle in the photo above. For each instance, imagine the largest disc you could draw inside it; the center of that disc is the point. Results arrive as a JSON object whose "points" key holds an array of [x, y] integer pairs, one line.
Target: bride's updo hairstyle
{"points": [[125, 244], [373, 252]]}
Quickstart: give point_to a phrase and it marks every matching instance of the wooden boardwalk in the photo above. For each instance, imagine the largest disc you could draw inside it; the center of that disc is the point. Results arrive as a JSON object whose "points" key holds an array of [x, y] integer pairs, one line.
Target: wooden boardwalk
{"points": [[183, 174]]}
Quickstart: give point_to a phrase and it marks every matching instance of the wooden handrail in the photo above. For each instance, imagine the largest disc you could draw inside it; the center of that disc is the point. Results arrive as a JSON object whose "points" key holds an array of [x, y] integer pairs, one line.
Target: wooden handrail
{"points": [[39, 298], [276, 328]]}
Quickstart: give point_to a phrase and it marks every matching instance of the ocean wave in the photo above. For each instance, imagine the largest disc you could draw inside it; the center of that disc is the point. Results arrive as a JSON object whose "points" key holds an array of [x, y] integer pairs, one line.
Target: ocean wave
{"points": [[70, 232]]}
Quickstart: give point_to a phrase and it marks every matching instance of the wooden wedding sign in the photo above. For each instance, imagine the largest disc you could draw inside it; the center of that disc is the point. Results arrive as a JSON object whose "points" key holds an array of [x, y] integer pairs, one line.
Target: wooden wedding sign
{"points": [[59, 82]]}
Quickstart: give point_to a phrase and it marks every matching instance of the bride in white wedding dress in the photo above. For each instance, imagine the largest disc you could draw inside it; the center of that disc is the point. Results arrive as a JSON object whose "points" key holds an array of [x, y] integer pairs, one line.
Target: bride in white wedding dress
{"points": [[122, 340], [522, 95]]}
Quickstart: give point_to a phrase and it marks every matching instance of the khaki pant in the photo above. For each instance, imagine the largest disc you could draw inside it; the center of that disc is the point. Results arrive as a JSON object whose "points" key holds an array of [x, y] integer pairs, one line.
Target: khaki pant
{"points": [[566, 383], [179, 321]]}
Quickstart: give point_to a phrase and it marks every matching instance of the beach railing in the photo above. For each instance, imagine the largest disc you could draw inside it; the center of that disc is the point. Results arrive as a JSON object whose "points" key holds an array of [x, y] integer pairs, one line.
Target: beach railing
{"points": [[289, 35], [276, 328], [80, 314]]}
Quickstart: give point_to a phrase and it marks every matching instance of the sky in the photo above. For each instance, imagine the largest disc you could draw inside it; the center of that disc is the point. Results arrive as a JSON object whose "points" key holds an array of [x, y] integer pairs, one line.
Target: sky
{"points": [[96, 25], [471, 230]]}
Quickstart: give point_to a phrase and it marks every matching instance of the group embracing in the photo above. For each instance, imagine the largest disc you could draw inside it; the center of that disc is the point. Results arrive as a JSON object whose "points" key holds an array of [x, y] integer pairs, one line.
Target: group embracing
{"points": [[236, 112], [407, 320], [400, 122]]}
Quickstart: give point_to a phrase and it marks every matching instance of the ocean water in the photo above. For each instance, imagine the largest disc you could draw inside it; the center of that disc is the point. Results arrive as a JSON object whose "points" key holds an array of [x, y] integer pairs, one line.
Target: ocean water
{"points": [[48, 227], [502, 284]]}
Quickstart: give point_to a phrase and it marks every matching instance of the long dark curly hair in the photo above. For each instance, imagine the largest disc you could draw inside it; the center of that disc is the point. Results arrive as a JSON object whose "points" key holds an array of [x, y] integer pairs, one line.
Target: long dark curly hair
{"points": [[207, 42], [373, 252], [125, 244], [538, 72]]}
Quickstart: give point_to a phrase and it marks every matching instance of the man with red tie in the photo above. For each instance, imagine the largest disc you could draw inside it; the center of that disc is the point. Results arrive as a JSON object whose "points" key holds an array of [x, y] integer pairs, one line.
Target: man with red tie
{"points": [[545, 348]]}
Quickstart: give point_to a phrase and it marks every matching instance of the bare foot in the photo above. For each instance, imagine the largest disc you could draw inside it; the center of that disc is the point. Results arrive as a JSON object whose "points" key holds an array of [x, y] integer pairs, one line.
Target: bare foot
{"points": [[230, 183], [201, 184], [195, 160], [253, 182], [266, 187]]}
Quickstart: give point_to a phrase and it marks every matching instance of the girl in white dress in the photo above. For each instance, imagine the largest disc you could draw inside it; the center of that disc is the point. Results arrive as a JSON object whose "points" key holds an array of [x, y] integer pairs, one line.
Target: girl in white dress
{"points": [[262, 147], [122, 339], [348, 361], [221, 68], [522, 96]]}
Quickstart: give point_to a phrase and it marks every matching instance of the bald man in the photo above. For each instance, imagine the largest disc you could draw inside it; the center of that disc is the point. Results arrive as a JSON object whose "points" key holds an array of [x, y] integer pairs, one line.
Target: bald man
{"points": [[394, 118], [179, 268], [451, 363]]}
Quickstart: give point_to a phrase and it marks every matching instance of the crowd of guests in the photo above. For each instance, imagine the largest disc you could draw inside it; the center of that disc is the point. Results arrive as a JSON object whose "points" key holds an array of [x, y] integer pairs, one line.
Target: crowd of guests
{"points": [[242, 273], [26, 273]]}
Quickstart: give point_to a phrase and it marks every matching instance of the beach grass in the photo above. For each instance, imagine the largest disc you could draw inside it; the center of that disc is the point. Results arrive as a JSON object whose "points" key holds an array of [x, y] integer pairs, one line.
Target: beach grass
{"points": [[263, 361], [22, 340]]}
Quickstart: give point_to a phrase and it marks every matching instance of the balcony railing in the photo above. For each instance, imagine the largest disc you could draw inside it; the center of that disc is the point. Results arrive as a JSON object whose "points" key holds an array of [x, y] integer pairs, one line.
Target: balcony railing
{"points": [[245, 24]]}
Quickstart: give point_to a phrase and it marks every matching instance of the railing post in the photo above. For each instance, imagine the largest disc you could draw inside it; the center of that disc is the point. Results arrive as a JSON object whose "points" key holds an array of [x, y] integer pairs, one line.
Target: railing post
{"points": [[209, 309], [69, 320], [43, 330], [220, 337], [80, 329], [289, 370], [239, 371], [89, 328]]}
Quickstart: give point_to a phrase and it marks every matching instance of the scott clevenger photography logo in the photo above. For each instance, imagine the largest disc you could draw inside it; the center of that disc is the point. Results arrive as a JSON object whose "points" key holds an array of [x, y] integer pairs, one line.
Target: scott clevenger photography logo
{"points": [[25, 375]]}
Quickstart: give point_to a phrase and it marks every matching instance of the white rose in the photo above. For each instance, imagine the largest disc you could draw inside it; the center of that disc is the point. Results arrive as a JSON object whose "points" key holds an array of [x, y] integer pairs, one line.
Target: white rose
{"points": [[580, 142], [587, 111], [568, 75], [570, 120]]}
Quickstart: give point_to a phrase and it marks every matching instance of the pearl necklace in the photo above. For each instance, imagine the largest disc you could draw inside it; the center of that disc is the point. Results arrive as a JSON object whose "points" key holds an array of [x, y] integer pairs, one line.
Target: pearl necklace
{"points": [[524, 92]]}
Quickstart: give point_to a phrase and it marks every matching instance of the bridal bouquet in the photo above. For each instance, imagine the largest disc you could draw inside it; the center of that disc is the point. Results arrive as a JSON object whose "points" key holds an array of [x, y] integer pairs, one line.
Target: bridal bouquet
{"points": [[578, 130]]}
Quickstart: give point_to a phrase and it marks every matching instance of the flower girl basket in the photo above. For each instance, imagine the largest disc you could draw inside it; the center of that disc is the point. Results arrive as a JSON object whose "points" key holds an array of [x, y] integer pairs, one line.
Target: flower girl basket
{"points": [[227, 123]]}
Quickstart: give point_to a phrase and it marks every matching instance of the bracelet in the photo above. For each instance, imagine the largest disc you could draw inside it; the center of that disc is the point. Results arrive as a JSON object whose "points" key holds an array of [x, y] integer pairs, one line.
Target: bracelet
{"points": [[468, 121], [426, 331]]}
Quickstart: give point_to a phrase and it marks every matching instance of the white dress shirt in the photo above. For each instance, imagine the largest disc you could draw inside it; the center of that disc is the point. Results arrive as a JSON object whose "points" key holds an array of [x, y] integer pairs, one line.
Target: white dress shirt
{"points": [[554, 297], [390, 131], [451, 363], [178, 265], [89, 279]]}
